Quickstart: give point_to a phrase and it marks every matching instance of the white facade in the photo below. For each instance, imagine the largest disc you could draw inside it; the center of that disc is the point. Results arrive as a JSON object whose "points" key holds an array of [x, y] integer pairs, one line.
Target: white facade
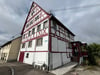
{"points": [[44, 41]]}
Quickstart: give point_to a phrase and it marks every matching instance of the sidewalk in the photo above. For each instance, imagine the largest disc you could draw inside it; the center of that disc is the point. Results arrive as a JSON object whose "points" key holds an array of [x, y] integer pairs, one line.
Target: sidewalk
{"points": [[64, 69]]}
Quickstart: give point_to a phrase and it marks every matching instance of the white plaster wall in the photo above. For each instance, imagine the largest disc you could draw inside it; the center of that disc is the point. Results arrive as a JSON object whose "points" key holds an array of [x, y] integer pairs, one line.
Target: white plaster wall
{"points": [[61, 46], [56, 60], [54, 44], [58, 45], [40, 58], [28, 60], [65, 58], [44, 46], [52, 30]]}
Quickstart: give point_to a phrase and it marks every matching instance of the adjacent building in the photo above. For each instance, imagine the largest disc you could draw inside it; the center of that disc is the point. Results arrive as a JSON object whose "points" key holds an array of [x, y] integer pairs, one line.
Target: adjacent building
{"points": [[9, 51], [45, 40], [79, 52]]}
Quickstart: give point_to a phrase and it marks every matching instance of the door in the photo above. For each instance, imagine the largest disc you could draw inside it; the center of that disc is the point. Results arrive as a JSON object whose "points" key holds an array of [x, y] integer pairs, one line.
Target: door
{"points": [[21, 57]]}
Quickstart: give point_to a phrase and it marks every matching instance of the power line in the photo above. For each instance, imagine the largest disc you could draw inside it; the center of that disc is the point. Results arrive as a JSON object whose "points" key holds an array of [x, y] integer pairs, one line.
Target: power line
{"points": [[72, 8]]}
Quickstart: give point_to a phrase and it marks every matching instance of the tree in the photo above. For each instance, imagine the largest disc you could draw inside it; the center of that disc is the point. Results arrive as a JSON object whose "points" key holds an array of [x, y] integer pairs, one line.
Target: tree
{"points": [[93, 53]]}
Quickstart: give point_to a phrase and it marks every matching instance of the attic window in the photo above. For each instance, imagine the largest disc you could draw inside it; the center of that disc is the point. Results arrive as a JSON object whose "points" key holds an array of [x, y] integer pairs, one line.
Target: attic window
{"points": [[27, 25], [37, 17], [31, 22], [32, 12]]}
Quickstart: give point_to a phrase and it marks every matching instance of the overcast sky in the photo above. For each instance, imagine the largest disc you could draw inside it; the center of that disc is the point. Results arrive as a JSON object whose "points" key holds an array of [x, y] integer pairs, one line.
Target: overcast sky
{"points": [[83, 22]]}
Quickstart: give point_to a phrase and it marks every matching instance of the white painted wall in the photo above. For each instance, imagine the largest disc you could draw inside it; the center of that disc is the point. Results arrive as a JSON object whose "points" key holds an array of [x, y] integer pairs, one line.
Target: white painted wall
{"points": [[28, 60], [41, 58], [56, 60], [44, 46]]}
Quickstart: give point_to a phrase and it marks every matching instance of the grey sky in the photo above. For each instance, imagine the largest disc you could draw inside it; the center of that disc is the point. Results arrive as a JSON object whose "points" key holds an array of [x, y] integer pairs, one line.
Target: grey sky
{"points": [[83, 22]]}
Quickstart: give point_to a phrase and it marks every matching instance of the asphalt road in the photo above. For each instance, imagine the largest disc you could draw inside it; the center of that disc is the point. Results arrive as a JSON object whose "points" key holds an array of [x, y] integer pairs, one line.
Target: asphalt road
{"points": [[17, 68]]}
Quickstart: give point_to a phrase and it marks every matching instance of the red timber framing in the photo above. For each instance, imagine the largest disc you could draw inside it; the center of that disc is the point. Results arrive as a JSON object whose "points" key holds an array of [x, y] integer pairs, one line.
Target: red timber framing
{"points": [[36, 24], [39, 35], [32, 17], [56, 36], [49, 17]]}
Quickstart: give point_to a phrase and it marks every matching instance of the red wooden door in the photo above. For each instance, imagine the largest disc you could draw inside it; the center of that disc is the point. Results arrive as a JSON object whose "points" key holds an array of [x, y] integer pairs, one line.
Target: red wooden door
{"points": [[21, 57]]}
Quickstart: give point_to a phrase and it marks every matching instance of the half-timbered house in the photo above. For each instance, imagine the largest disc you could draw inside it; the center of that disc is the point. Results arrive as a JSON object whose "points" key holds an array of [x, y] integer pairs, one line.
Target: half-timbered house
{"points": [[45, 40]]}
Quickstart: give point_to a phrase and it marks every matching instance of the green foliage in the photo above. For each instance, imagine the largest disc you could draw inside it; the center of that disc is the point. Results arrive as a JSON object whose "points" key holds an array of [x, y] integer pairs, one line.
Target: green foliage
{"points": [[93, 53]]}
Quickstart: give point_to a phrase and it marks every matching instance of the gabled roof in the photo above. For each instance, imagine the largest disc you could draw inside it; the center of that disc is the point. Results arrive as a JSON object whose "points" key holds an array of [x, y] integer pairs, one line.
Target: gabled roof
{"points": [[8, 42], [52, 16]]}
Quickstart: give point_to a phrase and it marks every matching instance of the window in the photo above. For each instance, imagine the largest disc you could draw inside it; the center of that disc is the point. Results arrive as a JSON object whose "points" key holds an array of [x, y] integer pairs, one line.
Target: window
{"points": [[32, 12], [37, 17], [31, 22], [39, 42], [54, 25], [27, 55], [29, 33], [27, 25], [68, 34], [24, 36], [5, 54], [30, 44], [33, 31], [23, 45], [69, 45], [45, 24], [38, 28]]}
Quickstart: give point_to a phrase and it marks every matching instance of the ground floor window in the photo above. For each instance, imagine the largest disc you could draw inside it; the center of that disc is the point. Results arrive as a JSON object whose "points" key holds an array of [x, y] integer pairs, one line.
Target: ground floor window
{"points": [[27, 55]]}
